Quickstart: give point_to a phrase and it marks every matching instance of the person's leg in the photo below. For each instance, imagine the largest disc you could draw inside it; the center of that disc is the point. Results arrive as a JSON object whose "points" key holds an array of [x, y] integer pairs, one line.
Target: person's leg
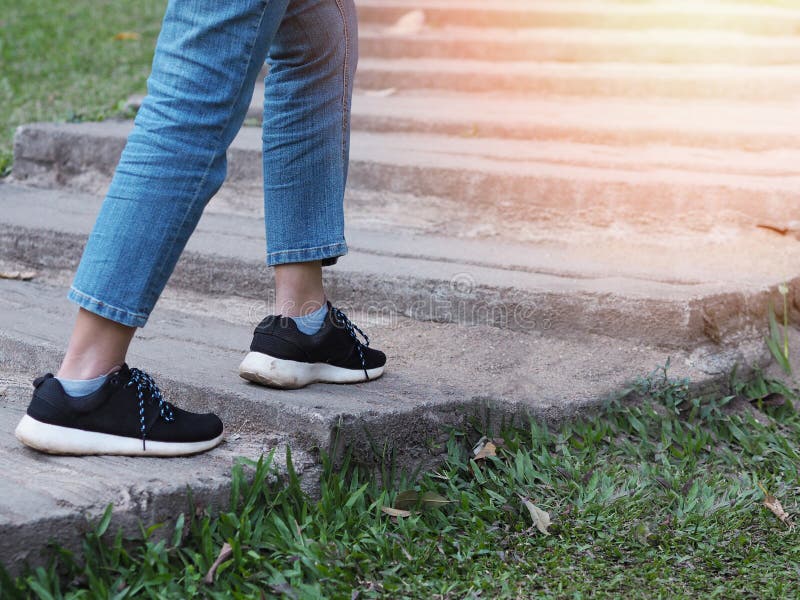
{"points": [[207, 58], [306, 151], [306, 135]]}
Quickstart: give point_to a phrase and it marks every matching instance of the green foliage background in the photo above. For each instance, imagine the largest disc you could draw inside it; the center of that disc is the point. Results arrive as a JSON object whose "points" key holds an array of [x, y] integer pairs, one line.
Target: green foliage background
{"points": [[59, 60]]}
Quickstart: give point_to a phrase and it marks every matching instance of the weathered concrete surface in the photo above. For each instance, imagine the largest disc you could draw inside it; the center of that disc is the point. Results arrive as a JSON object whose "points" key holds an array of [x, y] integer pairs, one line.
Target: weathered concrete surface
{"points": [[440, 376], [680, 295], [530, 180], [749, 126], [541, 44], [637, 80], [749, 17]]}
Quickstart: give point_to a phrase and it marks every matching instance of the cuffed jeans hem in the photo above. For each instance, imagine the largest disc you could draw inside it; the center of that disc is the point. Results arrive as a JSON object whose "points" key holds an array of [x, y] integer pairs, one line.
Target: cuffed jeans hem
{"points": [[327, 254], [98, 307]]}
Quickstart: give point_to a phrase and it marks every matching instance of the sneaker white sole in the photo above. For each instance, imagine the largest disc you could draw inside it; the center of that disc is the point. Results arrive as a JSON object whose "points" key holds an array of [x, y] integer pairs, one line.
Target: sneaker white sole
{"points": [[54, 439], [291, 374]]}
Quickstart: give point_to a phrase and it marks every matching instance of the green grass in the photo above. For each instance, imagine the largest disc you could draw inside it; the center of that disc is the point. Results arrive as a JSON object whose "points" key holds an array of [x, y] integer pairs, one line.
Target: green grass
{"points": [[658, 498], [59, 60]]}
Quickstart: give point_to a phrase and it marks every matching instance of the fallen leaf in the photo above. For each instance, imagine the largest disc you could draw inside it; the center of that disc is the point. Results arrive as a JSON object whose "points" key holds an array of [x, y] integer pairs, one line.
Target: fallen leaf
{"points": [[484, 448], [411, 22], [479, 444], [488, 450], [778, 230], [541, 519], [224, 554], [127, 35], [22, 275], [772, 503], [395, 512]]}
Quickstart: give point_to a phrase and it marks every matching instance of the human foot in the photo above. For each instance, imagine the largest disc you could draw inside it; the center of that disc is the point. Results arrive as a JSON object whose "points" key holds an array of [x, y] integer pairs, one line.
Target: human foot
{"points": [[281, 356], [127, 415]]}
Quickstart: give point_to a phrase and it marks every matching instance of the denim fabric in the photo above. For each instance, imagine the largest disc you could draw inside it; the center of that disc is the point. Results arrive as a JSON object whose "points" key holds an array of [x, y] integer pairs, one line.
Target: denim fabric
{"points": [[207, 58]]}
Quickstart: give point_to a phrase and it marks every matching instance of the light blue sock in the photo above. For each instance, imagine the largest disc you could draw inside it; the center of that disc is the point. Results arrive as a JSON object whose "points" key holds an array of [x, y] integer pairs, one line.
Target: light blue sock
{"points": [[82, 387], [312, 322]]}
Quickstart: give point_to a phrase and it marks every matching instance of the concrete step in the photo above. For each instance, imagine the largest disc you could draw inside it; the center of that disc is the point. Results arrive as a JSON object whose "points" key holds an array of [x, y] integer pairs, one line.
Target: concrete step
{"points": [[539, 44], [44, 498], [440, 376], [749, 126], [676, 291], [709, 81], [752, 17], [507, 180]]}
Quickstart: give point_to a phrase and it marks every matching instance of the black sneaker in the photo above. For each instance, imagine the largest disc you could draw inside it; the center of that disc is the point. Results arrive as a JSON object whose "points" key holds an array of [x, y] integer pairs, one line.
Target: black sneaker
{"points": [[282, 356], [128, 415]]}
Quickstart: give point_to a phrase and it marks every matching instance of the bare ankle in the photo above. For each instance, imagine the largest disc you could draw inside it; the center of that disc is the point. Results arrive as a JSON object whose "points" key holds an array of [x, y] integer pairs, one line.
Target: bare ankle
{"points": [[97, 346], [298, 289], [87, 368]]}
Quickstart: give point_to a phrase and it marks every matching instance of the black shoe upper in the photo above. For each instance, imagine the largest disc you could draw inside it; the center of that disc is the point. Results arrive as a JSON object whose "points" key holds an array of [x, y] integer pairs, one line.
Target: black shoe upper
{"points": [[129, 404], [336, 342]]}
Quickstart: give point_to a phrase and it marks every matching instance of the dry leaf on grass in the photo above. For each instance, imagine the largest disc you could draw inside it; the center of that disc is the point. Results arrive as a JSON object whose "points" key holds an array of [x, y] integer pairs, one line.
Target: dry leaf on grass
{"points": [[395, 512], [224, 554], [484, 448], [541, 519], [127, 35], [772, 503], [411, 22], [22, 275], [488, 450]]}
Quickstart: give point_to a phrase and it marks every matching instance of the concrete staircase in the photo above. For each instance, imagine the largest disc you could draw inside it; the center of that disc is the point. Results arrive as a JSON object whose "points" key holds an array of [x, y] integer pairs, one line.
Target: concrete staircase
{"points": [[546, 200]]}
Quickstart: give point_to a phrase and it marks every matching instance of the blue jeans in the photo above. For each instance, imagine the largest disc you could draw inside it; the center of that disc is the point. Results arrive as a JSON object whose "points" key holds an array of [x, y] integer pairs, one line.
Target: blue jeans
{"points": [[207, 58]]}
